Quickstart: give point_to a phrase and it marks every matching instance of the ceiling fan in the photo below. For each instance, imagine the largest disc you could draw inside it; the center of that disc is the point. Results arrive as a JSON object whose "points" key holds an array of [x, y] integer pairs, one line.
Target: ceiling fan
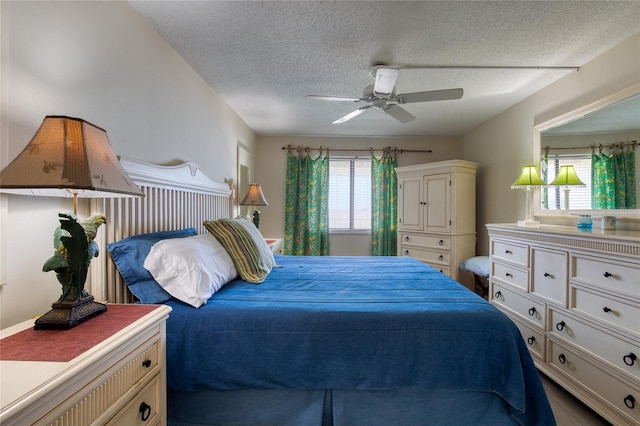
{"points": [[382, 95]]}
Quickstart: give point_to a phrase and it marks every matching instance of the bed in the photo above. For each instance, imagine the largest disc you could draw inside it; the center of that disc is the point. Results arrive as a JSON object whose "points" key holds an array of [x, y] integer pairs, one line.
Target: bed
{"points": [[327, 340]]}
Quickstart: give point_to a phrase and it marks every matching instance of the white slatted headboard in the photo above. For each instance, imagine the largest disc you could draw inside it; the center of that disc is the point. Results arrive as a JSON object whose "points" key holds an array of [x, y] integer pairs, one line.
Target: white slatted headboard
{"points": [[176, 197]]}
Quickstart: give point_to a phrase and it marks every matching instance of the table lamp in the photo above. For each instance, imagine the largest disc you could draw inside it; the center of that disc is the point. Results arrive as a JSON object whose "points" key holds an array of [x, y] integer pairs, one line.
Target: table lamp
{"points": [[527, 180], [567, 178], [69, 157], [254, 197]]}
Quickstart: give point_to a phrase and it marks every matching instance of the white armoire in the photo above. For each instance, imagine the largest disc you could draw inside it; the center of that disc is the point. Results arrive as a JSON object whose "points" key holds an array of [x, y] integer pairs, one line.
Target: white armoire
{"points": [[437, 213]]}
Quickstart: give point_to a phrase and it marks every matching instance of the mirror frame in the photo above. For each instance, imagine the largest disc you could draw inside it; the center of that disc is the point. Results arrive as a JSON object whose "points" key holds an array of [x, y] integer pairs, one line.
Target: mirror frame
{"points": [[243, 177], [565, 118]]}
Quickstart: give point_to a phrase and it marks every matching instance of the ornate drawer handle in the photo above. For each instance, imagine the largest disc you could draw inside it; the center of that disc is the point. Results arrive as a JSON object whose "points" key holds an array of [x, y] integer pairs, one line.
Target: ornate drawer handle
{"points": [[607, 274], [630, 401], [406, 238], [605, 309], [406, 252], [532, 311], [509, 274], [630, 359], [440, 257], [441, 242], [562, 359], [146, 363], [531, 340], [498, 294], [560, 326], [508, 252], [145, 411]]}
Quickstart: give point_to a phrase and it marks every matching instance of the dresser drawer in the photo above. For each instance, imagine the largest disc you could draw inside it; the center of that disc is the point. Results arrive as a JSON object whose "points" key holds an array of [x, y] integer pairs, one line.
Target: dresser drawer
{"points": [[144, 408], [98, 401], [613, 310], [618, 276], [428, 256], [618, 352], [511, 275], [619, 395], [549, 277], [535, 340], [518, 254], [432, 241], [524, 306]]}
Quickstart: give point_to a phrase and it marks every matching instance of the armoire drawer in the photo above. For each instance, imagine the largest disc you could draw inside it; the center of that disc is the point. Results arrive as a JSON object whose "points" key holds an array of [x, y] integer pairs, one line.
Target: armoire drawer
{"points": [[510, 275], [431, 241], [524, 306], [613, 310], [608, 273], [428, 256], [620, 395], [619, 353], [518, 254]]}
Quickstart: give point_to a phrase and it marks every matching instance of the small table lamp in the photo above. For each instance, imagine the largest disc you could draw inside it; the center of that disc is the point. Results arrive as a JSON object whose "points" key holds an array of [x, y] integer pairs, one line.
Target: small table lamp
{"points": [[567, 178], [527, 180], [69, 157], [254, 197]]}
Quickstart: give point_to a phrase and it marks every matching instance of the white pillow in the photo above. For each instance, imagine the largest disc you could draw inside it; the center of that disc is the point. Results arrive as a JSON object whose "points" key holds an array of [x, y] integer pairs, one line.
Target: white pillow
{"points": [[191, 269]]}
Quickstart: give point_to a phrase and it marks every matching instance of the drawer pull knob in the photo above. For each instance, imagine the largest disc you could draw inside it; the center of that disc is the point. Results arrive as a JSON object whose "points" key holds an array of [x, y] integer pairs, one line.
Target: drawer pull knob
{"points": [[146, 363], [630, 359], [145, 411], [630, 401], [607, 274], [406, 238], [562, 359], [605, 309], [509, 274], [547, 275], [498, 295], [560, 326], [406, 252], [441, 242], [532, 311], [531, 340], [508, 252], [440, 257]]}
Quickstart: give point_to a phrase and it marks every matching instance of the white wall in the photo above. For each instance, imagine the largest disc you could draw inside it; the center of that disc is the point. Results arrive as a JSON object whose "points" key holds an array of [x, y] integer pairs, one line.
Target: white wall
{"points": [[271, 172], [102, 62], [504, 144]]}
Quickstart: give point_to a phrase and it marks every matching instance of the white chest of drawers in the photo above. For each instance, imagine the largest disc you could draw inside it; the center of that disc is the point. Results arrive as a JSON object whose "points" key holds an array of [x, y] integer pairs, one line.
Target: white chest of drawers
{"points": [[118, 381], [575, 297]]}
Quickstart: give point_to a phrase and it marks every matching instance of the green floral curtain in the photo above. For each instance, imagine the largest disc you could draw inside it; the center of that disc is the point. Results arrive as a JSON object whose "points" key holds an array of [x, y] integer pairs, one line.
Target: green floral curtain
{"points": [[384, 209], [613, 178], [306, 229]]}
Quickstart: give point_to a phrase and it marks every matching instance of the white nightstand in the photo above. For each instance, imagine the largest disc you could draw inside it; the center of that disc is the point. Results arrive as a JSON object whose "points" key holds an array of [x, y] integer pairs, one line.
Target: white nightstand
{"points": [[107, 370], [275, 244]]}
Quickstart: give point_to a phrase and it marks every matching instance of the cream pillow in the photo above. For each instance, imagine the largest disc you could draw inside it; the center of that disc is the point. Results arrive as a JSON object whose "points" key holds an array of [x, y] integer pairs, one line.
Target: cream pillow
{"points": [[190, 269]]}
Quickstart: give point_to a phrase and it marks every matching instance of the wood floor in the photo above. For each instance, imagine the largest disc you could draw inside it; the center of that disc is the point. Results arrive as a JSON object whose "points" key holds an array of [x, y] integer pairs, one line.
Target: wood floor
{"points": [[567, 409]]}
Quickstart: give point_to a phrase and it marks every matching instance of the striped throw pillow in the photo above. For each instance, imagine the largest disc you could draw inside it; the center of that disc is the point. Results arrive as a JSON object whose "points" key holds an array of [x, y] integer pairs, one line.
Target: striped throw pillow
{"points": [[241, 247]]}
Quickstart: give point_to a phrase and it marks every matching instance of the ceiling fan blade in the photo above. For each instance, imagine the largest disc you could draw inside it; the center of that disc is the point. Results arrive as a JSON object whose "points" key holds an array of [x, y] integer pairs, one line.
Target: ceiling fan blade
{"points": [[333, 98], [385, 80], [400, 114], [351, 115], [433, 95]]}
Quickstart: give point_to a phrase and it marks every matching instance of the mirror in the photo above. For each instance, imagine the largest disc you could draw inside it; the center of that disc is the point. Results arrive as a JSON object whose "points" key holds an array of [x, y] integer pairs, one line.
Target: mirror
{"points": [[243, 177], [568, 140]]}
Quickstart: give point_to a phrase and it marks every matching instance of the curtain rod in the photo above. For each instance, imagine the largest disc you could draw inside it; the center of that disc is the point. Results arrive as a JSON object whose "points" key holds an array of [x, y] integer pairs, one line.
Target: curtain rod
{"points": [[398, 150], [609, 146]]}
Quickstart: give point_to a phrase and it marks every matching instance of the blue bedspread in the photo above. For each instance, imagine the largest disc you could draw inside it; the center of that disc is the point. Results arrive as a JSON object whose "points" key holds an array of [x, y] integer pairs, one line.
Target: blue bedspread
{"points": [[353, 323]]}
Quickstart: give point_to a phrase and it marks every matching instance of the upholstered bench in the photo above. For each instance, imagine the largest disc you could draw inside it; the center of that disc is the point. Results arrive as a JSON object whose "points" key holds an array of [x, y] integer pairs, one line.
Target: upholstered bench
{"points": [[479, 267]]}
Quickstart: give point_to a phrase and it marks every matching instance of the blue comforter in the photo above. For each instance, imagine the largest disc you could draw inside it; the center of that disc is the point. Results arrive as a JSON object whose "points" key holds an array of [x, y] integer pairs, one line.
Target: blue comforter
{"points": [[353, 323]]}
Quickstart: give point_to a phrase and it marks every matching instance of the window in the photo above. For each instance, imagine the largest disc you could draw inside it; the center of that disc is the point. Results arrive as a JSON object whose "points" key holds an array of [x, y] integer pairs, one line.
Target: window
{"points": [[580, 198], [349, 194]]}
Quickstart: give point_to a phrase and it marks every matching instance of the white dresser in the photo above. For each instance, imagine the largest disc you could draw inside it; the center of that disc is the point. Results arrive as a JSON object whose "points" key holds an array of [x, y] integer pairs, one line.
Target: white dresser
{"points": [[437, 213], [54, 377], [575, 296]]}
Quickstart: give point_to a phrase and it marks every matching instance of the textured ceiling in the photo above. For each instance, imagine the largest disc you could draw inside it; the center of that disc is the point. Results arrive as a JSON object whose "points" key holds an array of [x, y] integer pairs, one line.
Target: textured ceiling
{"points": [[263, 57]]}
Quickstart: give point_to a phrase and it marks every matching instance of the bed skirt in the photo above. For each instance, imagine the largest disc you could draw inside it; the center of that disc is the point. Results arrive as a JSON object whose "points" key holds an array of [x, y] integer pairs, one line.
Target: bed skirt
{"points": [[290, 407]]}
